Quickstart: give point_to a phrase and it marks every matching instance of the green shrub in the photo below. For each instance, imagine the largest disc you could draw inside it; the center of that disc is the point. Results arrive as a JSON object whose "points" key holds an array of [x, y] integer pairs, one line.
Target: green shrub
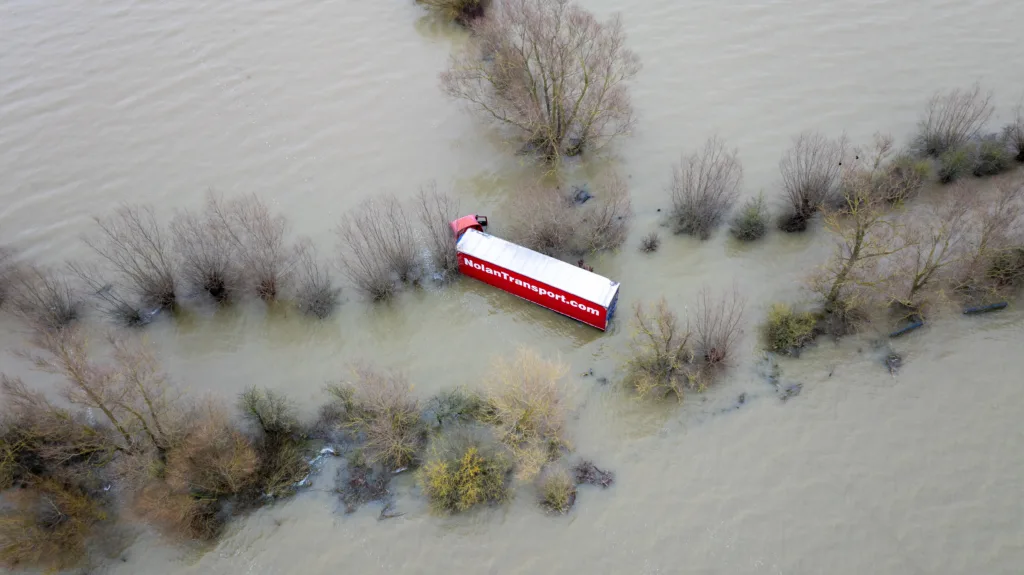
{"points": [[954, 164], [463, 471], [557, 491], [455, 406], [902, 178], [993, 158], [787, 330], [751, 223]]}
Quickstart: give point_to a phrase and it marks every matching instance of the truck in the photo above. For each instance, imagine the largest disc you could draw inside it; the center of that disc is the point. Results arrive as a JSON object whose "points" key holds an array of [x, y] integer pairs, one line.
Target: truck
{"points": [[546, 281]]}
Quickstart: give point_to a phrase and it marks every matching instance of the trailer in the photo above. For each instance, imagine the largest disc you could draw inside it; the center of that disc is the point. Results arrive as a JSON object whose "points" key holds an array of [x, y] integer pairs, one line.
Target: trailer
{"points": [[548, 282]]}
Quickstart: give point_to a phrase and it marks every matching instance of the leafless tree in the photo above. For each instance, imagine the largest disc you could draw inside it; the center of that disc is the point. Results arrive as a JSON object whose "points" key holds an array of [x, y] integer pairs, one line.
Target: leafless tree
{"points": [[315, 292], [436, 212], [139, 252], [661, 359], [811, 173], [7, 268], [993, 228], [717, 325], [952, 119], [1014, 132], [704, 187], [209, 262], [933, 242], [650, 243], [549, 70], [257, 237], [461, 11], [112, 302], [542, 219], [603, 222], [43, 298], [378, 247]]}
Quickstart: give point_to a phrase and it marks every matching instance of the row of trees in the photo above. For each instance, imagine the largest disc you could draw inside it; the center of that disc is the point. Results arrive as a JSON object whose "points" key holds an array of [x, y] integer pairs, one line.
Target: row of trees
{"points": [[128, 443]]}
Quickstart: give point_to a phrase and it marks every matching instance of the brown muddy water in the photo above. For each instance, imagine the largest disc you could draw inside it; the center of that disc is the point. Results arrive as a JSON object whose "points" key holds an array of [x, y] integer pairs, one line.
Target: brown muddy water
{"points": [[318, 105]]}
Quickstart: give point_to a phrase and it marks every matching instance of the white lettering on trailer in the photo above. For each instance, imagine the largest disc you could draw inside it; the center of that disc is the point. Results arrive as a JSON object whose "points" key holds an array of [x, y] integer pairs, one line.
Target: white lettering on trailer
{"points": [[529, 286]]}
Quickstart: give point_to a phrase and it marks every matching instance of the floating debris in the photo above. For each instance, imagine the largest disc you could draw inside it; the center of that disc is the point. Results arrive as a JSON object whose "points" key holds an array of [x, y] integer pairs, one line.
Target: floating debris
{"points": [[791, 390], [985, 308], [587, 472], [907, 328], [315, 464], [894, 362]]}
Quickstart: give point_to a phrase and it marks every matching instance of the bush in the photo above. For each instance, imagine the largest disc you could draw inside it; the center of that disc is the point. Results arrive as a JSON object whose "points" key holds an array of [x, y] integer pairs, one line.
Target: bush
{"points": [[461, 11], [993, 158], [378, 248], [139, 251], [524, 402], [455, 406], [955, 164], [269, 411], [315, 293], [603, 222], [46, 526], [1014, 133], [1007, 267], [182, 514], [44, 299], [650, 243], [902, 178], [751, 223], [462, 470], [811, 171], [436, 212], [557, 491], [379, 408], [208, 259], [717, 325], [786, 330], [952, 119], [704, 187], [661, 357], [550, 222]]}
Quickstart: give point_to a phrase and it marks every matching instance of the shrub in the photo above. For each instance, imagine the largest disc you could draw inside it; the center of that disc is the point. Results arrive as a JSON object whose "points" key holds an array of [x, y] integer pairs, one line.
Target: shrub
{"points": [[603, 222], [992, 158], [436, 212], [380, 409], [461, 11], [811, 171], [1014, 133], [932, 242], [462, 470], [139, 252], [46, 526], [208, 261], [717, 325], [902, 178], [551, 72], [1007, 267], [786, 330], [378, 248], [358, 483], [455, 406], [44, 299], [585, 472], [993, 227], [269, 411], [524, 402], [751, 223], [542, 220], [704, 187], [650, 243], [952, 119], [7, 269], [661, 359], [180, 513], [214, 461], [955, 164], [315, 293], [281, 461], [557, 491]]}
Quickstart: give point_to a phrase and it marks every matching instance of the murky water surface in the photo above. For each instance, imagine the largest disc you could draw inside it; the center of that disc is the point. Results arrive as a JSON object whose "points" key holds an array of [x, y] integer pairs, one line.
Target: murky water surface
{"points": [[318, 105]]}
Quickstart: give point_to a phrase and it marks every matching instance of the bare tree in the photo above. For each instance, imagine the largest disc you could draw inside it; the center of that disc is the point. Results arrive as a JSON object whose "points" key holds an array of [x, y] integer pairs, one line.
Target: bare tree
{"points": [[208, 259], [7, 269], [112, 302], [542, 219], [139, 252], [461, 11], [952, 119], [549, 70], [315, 293], [933, 241], [661, 359], [1014, 132], [993, 228], [257, 237], [603, 222], [436, 212], [811, 173], [43, 298], [704, 187], [717, 325], [378, 247]]}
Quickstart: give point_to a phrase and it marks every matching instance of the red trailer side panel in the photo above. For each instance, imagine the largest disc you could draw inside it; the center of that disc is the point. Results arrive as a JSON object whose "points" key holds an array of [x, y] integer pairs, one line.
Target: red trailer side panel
{"points": [[534, 291]]}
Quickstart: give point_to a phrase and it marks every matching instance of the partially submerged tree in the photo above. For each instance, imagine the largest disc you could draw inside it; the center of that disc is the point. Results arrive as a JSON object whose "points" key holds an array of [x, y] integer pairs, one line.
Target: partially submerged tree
{"points": [[602, 223], [661, 360], [551, 222], [932, 242], [751, 222], [43, 298], [704, 187], [315, 293], [952, 119], [436, 212], [209, 263], [716, 327], [462, 11], [549, 70], [1014, 132], [7, 270], [993, 230], [378, 248], [811, 174]]}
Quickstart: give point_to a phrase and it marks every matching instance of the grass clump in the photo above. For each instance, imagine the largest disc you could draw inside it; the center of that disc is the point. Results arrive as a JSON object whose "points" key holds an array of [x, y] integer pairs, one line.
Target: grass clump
{"points": [[993, 158], [460, 11], [751, 222], [650, 243], [557, 491], [955, 164], [524, 403], [786, 331], [462, 471]]}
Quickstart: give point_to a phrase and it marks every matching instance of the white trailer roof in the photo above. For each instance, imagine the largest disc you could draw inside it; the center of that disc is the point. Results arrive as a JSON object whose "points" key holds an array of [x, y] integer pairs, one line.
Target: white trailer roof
{"points": [[556, 273]]}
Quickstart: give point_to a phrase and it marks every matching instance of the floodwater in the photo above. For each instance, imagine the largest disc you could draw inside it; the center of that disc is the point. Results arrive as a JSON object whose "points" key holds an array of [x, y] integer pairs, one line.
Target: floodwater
{"points": [[316, 106]]}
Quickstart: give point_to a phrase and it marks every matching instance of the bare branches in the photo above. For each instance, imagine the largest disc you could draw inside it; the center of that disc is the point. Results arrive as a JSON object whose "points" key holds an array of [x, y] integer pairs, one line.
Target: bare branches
{"points": [[7, 270], [436, 212], [1014, 132], [461, 11], [717, 325], [952, 119], [661, 352], [139, 252], [43, 299], [993, 230], [541, 220], [550, 71], [704, 186], [207, 259], [315, 292], [378, 248], [933, 241], [603, 222], [811, 172]]}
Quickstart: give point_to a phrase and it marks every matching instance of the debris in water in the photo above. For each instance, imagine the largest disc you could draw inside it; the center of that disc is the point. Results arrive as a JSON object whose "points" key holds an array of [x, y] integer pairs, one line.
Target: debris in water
{"points": [[985, 308], [580, 195], [587, 472], [741, 399], [894, 362], [907, 328], [792, 390]]}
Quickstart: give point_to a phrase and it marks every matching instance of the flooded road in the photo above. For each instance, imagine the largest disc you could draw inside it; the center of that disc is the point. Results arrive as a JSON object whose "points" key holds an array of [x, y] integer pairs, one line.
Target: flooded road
{"points": [[316, 106]]}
